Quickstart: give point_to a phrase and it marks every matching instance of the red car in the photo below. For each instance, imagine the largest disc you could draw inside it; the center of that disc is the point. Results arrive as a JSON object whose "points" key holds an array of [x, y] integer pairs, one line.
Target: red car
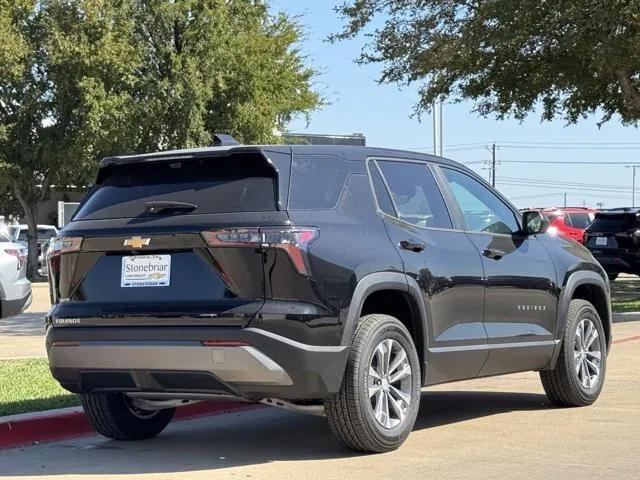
{"points": [[569, 221]]}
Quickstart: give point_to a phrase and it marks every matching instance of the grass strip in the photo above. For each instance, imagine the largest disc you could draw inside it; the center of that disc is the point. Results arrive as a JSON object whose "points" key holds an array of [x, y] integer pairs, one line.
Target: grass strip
{"points": [[27, 386]]}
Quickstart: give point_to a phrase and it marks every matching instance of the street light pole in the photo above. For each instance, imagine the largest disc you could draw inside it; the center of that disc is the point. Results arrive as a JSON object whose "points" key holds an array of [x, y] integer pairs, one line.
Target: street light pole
{"points": [[633, 184]]}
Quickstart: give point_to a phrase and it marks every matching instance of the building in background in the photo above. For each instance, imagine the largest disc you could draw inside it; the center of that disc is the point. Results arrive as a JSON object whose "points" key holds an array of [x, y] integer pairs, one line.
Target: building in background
{"points": [[357, 139]]}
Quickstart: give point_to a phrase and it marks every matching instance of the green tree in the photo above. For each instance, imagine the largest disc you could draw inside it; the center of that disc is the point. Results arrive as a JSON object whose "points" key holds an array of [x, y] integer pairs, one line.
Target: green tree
{"points": [[86, 78], [508, 56]]}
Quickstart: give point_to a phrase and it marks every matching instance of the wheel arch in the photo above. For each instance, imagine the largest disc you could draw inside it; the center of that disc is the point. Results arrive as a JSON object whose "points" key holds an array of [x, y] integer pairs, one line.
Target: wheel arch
{"points": [[590, 286], [365, 297]]}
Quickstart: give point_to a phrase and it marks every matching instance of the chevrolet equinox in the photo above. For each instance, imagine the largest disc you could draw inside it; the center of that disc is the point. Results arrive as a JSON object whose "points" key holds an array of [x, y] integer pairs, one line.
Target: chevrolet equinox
{"points": [[331, 280]]}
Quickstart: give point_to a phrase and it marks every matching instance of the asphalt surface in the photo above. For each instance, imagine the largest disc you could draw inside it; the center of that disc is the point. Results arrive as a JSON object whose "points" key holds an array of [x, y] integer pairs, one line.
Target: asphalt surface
{"points": [[500, 427]]}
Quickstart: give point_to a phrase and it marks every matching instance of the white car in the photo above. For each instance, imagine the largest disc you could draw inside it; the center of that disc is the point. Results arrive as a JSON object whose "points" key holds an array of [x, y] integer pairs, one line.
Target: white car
{"points": [[15, 289]]}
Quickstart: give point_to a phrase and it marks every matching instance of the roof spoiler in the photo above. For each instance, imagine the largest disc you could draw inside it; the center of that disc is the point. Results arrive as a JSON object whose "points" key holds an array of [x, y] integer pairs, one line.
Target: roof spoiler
{"points": [[224, 140]]}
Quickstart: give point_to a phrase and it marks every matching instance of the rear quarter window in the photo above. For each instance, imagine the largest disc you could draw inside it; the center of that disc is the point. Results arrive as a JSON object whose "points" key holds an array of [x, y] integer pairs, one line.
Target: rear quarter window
{"points": [[317, 181]]}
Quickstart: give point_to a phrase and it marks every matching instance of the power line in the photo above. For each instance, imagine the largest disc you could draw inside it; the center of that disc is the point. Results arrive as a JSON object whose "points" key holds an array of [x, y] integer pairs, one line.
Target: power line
{"points": [[540, 181]]}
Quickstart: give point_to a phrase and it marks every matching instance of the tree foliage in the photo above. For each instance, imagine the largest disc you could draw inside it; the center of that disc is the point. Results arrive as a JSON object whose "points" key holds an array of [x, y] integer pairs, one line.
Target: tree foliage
{"points": [[85, 78], [509, 56]]}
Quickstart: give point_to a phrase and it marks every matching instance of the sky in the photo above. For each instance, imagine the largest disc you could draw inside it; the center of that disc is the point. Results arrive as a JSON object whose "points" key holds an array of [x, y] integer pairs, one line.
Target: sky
{"points": [[383, 113]]}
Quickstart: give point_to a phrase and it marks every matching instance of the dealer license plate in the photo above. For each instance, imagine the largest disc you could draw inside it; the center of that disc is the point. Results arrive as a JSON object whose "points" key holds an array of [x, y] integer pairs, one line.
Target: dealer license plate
{"points": [[601, 241], [146, 271]]}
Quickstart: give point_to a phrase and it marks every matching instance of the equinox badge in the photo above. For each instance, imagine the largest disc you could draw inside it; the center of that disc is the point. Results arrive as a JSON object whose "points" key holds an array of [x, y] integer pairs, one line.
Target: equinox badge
{"points": [[137, 242]]}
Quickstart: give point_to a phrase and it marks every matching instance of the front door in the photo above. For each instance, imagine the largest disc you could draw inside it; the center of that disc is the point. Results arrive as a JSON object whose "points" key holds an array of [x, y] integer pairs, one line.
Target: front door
{"points": [[444, 263], [521, 291]]}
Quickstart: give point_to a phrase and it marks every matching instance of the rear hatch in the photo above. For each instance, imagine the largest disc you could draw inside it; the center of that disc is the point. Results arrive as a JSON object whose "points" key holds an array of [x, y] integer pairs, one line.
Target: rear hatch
{"points": [[613, 232], [170, 241]]}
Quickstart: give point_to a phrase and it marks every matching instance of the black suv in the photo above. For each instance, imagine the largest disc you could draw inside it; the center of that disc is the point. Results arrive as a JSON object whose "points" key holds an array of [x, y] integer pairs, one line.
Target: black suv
{"points": [[614, 240], [331, 280]]}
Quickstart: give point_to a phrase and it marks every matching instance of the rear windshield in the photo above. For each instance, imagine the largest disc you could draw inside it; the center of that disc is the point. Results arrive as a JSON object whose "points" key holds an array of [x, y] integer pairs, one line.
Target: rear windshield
{"points": [[613, 222], [579, 220], [239, 183]]}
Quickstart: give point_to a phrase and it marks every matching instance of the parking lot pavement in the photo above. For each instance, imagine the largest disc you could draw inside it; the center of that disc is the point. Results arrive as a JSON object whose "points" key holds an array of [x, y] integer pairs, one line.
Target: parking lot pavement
{"points": [[22, 336], [490, 428]]}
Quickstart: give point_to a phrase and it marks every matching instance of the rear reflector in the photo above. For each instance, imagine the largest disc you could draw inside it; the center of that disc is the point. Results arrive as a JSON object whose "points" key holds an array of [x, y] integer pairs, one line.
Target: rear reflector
{"points": [[293, 240]]}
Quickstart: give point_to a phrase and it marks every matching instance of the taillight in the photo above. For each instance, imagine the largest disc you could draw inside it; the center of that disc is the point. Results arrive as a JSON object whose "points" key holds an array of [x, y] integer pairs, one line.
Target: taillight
{"points": [[61, 245], [20, 254], [293, 240]]}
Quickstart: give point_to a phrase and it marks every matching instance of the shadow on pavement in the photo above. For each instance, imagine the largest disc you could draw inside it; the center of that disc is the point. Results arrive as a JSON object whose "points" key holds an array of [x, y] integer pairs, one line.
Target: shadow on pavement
{"points": [[23, 325], [249, 438]]}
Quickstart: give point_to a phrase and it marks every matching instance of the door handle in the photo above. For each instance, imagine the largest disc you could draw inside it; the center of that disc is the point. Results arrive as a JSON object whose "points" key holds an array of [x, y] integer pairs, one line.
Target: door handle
{"points": [[493, 253], [412, 246]]}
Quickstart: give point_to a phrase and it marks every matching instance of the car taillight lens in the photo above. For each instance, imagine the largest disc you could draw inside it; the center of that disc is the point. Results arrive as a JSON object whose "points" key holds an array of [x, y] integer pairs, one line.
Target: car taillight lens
{"points": [[20, 254], [61, 245], [293, 240], [58, 246]]}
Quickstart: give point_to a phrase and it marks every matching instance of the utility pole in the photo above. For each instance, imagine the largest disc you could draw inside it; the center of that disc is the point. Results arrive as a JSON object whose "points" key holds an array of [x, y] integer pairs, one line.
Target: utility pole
{"points": [[565, 198], [493, 164], [633, 184], [435, 128], [440, 144], [438, 148]]}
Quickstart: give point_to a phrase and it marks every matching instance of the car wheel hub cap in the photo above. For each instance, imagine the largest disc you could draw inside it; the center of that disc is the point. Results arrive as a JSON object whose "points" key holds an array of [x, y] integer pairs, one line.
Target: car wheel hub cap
{"points": [[587, 354], [389, 383]]}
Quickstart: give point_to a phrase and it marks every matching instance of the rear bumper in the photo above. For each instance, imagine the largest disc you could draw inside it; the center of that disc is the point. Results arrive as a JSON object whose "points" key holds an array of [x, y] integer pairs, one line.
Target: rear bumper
{"points": [[173, 360], [9, 308], [618, 262]]}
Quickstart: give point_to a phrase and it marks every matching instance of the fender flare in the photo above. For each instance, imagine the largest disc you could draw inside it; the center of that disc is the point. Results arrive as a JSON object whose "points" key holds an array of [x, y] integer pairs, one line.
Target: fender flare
{"points": [[383, 281], [576, 279]]}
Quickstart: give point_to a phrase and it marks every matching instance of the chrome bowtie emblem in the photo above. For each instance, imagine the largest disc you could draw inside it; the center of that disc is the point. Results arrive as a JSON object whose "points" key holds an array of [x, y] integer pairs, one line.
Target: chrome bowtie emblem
{"points": [[137, 242]]}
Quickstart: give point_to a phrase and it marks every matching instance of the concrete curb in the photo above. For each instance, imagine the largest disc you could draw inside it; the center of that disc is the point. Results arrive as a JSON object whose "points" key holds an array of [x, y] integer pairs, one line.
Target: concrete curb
{"points": [[40, 427], [626, 317]]}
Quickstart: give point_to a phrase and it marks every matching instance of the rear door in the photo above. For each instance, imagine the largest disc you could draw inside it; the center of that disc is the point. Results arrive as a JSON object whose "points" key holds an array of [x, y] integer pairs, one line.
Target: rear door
{"points": [[170, 242], [443, 261]]}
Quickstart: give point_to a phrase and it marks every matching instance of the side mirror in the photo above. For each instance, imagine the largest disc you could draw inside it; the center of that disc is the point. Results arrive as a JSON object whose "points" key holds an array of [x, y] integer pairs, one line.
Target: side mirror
{"points": [[533, 223]]}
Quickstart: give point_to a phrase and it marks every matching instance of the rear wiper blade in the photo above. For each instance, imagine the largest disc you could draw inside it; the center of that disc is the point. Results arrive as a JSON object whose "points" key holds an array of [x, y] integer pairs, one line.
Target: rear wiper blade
{"points": [[164, 206]]}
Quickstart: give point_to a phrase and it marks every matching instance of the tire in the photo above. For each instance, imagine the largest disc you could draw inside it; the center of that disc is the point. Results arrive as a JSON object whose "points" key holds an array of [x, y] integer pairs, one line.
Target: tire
{"points": [[563, 384], [612, 276], [351, 411], [113, 415]]}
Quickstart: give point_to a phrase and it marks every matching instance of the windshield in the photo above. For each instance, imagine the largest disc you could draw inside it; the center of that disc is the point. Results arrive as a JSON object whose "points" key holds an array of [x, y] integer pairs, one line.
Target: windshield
{"points": [[579, 220], [44, 234], [614, 222]]}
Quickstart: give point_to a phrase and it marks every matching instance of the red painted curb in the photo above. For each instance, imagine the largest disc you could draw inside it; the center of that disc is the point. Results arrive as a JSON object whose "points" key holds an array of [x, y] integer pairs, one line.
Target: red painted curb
{"points": [[627, 339], [61, 426]]}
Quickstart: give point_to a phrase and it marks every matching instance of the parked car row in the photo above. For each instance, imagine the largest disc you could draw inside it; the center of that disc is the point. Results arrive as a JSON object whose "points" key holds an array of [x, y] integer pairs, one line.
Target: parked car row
{"points": [[45, 234], [612, 236]]}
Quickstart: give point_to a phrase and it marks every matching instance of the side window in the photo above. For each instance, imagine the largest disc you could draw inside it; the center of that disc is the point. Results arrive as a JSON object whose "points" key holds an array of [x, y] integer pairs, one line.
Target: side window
{"points": [[316, 181], [380, 191], [415, 194], [482, 210]]}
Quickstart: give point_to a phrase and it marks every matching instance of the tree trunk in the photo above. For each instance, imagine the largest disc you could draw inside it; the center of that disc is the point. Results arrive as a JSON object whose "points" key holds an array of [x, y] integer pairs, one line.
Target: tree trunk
{"points": [[29, 206], [629, 90]]}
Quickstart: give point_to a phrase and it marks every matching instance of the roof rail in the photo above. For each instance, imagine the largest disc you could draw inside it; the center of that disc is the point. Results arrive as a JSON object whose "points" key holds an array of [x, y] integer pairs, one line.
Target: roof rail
{"points": [[224, 140]]}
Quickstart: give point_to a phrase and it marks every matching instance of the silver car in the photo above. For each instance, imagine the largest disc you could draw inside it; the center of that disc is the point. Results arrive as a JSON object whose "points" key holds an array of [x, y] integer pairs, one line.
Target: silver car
{"points": [[15, 289]]}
